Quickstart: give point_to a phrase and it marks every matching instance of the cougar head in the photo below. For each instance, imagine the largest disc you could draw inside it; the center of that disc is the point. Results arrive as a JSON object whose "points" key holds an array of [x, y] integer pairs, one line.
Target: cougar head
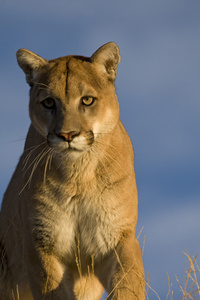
{"points": [[72, 98]]}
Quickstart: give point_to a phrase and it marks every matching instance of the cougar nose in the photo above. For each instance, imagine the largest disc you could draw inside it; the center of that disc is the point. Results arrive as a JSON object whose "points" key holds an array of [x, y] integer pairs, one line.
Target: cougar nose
{"points": [[67, 137]]}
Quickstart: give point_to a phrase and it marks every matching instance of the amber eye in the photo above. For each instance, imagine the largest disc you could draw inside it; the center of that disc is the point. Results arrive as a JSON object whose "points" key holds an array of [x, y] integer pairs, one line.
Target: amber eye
{"points": [[48, 103], [87, 100]]}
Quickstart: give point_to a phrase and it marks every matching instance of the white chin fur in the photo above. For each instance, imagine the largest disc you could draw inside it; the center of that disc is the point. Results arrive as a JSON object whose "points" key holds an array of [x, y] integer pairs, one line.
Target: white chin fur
{"points": [[75, 148]]}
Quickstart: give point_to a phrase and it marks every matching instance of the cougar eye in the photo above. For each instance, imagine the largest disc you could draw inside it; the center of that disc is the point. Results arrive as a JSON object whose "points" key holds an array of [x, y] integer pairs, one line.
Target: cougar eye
{"points": [[87, 100], [48, 103]]}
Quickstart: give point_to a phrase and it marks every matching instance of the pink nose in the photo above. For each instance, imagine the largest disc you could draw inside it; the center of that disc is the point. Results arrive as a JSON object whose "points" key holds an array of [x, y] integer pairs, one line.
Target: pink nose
{"points": [[67, 137]]}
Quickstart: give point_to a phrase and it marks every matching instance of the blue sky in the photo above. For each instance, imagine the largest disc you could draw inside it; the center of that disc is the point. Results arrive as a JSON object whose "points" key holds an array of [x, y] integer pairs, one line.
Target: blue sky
{"points": [[159, 94]]}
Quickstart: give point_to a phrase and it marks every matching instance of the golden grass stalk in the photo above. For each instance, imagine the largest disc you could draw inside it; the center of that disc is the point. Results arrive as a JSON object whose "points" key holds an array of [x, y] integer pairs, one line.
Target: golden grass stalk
{"points": [[191, 289]]}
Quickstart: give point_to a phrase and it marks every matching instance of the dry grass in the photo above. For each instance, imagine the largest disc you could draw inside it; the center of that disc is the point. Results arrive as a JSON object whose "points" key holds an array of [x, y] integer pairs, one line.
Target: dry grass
{"points": [[190, 288]]}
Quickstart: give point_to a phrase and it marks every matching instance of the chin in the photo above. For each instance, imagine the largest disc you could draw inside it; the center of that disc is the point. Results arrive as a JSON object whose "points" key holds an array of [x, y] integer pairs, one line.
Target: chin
{"points": [[70, 153]]}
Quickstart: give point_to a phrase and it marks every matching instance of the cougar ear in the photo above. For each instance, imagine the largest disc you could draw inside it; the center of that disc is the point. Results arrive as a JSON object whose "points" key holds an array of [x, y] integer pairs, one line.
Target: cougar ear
{"points": [[30, 63], [107, 57]]}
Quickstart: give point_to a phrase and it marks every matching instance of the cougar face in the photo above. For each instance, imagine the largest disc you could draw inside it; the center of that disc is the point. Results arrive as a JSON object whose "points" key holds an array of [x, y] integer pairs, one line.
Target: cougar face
{"points": [[70, 106]]}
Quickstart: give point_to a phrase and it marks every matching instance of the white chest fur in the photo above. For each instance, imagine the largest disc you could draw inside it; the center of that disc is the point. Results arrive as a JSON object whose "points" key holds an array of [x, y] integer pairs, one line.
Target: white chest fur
{"points": [[88, 223]]}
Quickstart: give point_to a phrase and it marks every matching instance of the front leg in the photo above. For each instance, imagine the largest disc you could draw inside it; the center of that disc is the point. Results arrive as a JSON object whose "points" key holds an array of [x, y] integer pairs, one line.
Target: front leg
{"points": [[48, 278], [123, 276]]}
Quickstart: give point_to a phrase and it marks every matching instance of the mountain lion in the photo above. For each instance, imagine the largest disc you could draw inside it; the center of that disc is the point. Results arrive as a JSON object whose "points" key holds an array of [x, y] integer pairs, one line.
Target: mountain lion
{"points": [[69, 214]]}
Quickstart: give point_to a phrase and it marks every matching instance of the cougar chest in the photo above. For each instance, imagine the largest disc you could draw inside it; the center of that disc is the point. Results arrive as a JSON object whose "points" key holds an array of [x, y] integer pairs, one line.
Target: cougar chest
{"points": [[86, 225]]}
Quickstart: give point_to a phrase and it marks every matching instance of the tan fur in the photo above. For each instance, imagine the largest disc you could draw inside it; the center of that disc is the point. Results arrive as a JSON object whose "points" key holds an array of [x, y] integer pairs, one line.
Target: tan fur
{"points": [[69, 214]]}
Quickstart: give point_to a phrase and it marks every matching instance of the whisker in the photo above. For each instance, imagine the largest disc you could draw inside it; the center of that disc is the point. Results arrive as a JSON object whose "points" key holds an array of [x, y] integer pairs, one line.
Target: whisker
{"points": [[35, 146], [17, 140], [36, 162], [107, 156], [49, 158], [108, 145], [41, 88], [102, 162], [45, 169], [28, 157], [40, 83], [25, 161], [108, 175]]}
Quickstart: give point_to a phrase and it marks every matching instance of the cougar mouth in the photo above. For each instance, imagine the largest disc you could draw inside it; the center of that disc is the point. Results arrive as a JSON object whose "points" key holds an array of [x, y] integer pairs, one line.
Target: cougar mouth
{"points": [[70, 141]]}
